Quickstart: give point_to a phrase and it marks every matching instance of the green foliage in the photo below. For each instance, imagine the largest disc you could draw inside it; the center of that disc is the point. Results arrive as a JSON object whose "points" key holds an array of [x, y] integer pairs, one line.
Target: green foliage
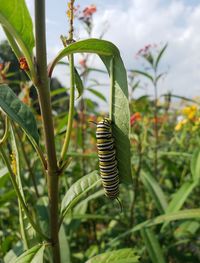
{"points": [[119, 112], [18, 112], [13, 16], [126, 255], [152, 245], [155, 191], [33, 255], [78, 190]]}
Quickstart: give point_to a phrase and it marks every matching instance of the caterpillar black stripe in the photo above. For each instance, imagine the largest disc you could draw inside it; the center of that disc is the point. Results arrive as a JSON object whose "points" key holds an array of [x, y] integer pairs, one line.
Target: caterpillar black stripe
{"points": [[107, 159]]}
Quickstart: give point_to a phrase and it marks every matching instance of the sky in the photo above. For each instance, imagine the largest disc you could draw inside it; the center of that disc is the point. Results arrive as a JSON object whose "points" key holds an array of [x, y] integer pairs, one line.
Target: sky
{"points": [[132, 24]]}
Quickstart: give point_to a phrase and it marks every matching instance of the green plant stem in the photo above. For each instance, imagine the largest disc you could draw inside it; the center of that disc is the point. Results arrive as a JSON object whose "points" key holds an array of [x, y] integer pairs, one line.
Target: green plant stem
{"points": [[15, 186], [155, 128], [71, 110], [45, 105]]}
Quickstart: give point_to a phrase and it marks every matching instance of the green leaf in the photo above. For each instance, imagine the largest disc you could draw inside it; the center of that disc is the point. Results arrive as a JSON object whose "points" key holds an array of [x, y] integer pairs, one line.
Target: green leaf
{"points": [[184, 98], [160, 56], [143, 73], [92, 45], [186, 229], [79, 83], [125, 255], [4, 177], [15, 17], [33, 255], [120, 116], [152, 245], [64, 246], [78, 190], [18, 112], [155, 191], [108, 52], [184, 214], [98, 94], [6, 197], [179, 198], [195, 165]]}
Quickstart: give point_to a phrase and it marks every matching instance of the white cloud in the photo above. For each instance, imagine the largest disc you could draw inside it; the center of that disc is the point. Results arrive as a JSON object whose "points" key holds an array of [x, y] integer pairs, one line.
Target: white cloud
{"points": [[145, 22]]}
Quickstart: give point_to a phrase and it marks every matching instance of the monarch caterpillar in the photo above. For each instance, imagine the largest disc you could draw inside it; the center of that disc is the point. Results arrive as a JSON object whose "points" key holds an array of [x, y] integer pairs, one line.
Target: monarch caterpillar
{"points": [[107, 159]]}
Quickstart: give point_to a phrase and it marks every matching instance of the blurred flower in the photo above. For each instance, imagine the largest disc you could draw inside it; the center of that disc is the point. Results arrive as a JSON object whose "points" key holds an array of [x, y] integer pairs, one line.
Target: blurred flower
{"points": [[89, 10], [83, 62], [86, 16], [160, 119], [134, 118], [180, 124], [190, 112]]}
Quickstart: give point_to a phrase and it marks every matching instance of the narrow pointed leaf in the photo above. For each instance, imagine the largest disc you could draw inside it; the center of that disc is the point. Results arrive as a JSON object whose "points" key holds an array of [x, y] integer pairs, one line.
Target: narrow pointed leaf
{"points": [[155, 191], [144, 74], [15, 16], [120, 116], [152, 245], [97, 93], [64, 246], [18, 112], [174, 216], [108, 52], [78, 190], [33, 255], [160, 55], [195, 165], [125, 255], [179, 198], [79, 83]]}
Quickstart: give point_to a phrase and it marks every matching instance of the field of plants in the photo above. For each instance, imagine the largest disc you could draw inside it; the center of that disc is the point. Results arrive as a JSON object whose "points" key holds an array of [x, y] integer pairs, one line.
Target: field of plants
{"points": [[79, 183]]}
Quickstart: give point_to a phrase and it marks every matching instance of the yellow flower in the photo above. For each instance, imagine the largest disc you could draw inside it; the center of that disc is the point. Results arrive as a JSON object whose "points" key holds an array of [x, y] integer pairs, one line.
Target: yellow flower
{"points": [[190, 111], [180, 124]]}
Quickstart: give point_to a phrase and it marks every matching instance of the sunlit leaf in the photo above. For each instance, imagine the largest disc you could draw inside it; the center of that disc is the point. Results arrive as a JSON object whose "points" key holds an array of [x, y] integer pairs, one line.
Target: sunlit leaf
{"points": [[78, 190], [33, 255], [15, 17], [179, 198], [180, 215], [108, 52], [64, 246], [125, 255]]}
